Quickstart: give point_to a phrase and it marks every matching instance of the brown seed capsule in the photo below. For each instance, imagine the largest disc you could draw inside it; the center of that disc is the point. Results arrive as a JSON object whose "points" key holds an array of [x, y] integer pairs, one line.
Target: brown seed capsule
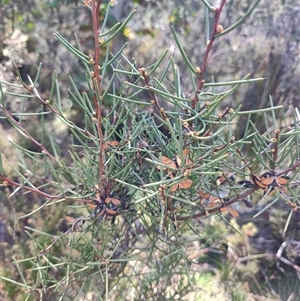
{"points": [[219, 28]]}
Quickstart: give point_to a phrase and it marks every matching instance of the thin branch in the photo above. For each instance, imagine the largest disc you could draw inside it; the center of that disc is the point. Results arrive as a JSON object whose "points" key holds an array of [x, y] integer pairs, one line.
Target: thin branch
{"points": [[9, 182], [33, 91], [154, 100], [207, 133], [284, 260], [235, 199], [97, 85], [25, 132], [292, 168], [208, 49]]}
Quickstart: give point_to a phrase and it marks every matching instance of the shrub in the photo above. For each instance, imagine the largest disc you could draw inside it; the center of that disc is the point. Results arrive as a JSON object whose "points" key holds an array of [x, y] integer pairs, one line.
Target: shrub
{"points": [[121, 188]]}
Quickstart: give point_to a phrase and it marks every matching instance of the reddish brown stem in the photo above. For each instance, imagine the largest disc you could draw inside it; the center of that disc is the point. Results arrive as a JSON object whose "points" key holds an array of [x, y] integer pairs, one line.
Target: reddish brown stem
{"points": [[208, 49], [10, 182], [97, 85], [292, 168]]}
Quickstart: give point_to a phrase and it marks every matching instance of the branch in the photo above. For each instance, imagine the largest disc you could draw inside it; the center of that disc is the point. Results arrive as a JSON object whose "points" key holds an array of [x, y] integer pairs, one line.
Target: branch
{"points": [[9, 182], [154, 100], [235, 199], [97, 85], [23, 130], [208, 49]]}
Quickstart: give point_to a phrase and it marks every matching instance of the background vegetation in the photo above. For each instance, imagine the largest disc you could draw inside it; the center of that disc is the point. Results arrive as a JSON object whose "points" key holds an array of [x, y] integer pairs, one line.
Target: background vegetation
{"points": [[135, 183]]}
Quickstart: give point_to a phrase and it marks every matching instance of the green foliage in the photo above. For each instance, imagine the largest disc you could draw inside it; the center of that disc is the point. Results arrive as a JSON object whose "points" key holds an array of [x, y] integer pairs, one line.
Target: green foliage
{"points": [[121, 187]]}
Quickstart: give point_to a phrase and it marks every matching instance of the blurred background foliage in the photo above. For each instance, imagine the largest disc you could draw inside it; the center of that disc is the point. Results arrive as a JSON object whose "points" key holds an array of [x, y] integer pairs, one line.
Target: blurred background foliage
{"points": [[266, 45]]}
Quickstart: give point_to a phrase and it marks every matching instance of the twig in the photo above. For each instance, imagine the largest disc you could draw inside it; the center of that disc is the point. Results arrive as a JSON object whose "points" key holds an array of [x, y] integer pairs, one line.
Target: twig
{"points": [[207, 133], [23, 130], [235, 199], [284, 260], [246, 258], [292, 168], [208, 49], [97, 85], [33, 91], [8, 182], [154, 100], [268, 281], [70, 230]]}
